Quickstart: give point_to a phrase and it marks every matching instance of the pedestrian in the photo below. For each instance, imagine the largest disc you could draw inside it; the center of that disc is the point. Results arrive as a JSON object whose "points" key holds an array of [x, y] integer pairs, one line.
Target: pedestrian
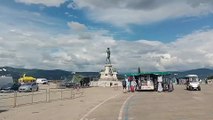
{"points": [[160, 80], [171, 87], [133, 85], [128, 83], [206, 81], [124, 85], [110, 84]]}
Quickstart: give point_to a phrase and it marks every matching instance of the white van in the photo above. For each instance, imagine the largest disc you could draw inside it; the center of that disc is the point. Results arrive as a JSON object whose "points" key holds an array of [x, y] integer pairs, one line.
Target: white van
{"points": [[4, 80], [41, 81]]}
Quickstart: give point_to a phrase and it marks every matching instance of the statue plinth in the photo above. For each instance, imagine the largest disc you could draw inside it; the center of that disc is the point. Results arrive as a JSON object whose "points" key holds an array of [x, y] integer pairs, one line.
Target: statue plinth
{"points": [[108, 73], [108, 77]]}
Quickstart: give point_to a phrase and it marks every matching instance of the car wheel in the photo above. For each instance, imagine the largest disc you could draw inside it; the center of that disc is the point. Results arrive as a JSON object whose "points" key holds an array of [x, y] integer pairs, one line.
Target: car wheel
{"points": [[199, 88]]}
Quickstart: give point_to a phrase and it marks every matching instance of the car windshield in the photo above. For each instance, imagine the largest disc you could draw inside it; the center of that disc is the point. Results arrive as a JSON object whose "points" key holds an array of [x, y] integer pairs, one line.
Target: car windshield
{"points": [[193, 79]]}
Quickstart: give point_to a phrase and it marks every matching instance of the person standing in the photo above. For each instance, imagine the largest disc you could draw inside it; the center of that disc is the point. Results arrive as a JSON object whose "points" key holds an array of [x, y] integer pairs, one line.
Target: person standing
{"points": [[133, 85], [206, 80], [160, 80], [124, 85], [128, 84], [171, 87]]}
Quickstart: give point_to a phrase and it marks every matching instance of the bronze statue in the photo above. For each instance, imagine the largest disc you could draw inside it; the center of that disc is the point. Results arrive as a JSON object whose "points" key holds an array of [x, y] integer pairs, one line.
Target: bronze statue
{"points": [[108, 56]]}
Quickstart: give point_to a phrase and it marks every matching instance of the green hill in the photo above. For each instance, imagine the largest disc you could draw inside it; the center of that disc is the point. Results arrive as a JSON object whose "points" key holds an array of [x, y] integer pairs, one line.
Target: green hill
{"points": [[56, 74], [38, 73], [62, 74], [202, 73]]}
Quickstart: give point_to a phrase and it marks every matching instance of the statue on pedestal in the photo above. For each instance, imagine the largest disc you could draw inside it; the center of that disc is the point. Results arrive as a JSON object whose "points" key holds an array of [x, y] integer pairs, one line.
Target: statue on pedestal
{"points": [[108, 75]]}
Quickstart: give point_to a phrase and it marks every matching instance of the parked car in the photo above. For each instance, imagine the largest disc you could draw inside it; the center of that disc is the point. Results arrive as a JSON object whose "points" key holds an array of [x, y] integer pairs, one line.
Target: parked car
{"points": [[41, 81], [29, 87], [70, 84], [10, 87], [192, 82], [66, 84]]}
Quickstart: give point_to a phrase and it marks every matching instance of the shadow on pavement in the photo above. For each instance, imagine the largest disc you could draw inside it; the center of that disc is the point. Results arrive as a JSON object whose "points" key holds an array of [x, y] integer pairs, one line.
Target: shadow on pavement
{"points": [[145, 91], [3, 111]]}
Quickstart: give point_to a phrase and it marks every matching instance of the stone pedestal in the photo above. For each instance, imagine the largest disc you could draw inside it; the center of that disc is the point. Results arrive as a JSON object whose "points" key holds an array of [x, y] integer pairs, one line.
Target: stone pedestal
{"points": [[107, 76], [108, 73], [105, 83]]}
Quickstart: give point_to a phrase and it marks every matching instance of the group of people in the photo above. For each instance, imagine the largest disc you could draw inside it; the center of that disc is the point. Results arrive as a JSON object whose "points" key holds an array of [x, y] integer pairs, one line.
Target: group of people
{"points": [[129, 85]]}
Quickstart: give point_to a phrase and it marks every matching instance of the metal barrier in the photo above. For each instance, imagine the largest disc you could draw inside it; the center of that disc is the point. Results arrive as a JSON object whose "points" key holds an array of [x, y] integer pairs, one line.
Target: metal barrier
{"points": [[8, 100]]}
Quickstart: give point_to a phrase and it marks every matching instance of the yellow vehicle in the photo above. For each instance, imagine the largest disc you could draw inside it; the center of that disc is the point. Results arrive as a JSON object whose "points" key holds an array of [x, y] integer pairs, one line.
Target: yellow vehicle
{"points": [[26, 79]]}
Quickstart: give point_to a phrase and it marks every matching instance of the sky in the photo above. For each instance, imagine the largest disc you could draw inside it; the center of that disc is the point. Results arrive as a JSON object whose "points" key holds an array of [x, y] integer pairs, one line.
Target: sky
{"points": [[73, 35]]}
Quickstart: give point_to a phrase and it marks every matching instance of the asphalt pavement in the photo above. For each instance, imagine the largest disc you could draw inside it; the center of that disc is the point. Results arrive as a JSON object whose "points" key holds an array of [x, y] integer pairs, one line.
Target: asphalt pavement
{"points": [[180, 104], [112, 104]]}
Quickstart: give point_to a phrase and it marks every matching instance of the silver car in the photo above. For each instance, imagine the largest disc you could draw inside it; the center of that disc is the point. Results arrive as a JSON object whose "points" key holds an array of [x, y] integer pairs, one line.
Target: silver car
{"points": [[28, 87]]}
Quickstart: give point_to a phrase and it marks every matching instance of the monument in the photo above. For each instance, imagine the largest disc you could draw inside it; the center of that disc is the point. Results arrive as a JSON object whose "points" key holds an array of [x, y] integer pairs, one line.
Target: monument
{"points": [[108, 75]]}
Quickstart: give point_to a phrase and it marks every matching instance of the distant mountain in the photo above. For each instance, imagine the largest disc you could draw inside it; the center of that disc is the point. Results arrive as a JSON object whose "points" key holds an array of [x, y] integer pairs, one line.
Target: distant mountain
{"points": [[38, 73], [202, 73], [57, 74], [89, 74]]}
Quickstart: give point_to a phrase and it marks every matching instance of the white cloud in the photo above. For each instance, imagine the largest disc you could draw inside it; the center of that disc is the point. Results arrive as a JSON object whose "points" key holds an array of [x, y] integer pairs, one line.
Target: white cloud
{"points": [[69, 52], [125, 12], [195, 49], [48, 3], [76, 26], [30, 43]]}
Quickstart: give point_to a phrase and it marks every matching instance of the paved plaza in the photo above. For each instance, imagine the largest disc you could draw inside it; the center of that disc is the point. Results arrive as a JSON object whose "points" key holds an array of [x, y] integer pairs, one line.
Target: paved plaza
{"points": [[100, 103], [178, 105]]}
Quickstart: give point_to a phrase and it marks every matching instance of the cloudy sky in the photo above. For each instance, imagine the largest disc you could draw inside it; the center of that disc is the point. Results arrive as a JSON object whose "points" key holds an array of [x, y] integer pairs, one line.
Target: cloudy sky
{"points": [[156, 35]]}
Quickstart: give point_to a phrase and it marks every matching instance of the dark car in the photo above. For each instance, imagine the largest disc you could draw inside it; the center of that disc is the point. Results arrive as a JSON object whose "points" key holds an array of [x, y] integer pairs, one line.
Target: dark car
{"points": [[10, 87], [70, 84]]}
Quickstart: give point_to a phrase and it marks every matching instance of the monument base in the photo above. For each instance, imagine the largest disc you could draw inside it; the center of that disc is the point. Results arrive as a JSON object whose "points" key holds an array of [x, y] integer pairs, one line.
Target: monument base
{"points": [[103, 83], [108, 73]]}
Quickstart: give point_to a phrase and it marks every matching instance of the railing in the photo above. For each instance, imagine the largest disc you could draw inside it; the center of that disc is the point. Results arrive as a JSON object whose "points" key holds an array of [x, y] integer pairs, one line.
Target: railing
{"points": [[8, 100]]}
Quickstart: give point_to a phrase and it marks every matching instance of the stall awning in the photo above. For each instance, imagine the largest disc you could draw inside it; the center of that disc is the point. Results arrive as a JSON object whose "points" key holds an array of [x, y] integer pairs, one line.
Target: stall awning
{"points": [[148, 73]]}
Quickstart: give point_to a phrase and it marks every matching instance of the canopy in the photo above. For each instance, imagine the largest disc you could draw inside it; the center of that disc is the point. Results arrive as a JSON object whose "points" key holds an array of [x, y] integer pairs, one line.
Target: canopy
{"points": [[148, 73]]}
